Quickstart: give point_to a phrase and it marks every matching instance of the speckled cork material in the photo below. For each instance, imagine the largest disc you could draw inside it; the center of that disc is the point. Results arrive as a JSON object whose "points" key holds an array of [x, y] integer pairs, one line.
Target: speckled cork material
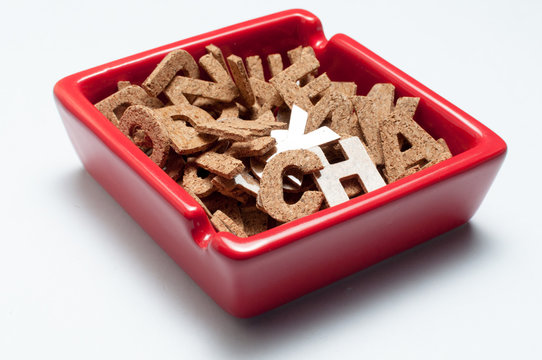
{"points": [[224, 223], [270, 197], [295, 138], [255, 128], [229, 188], [257, 153], [294, 55], [268, 119], [220, 164], [339, 107], [230, 110], [406, 146], [205, 124], [247, 183], [285, 81], [275, 64], [217, 54], [224, 131], [255, 147], [199, 186], [266, 95], [254, 220], [240, 76], [113, 106], [255, 67], [184, 139], [174, 167], [122, 84], [146, 119], [211, 90], [223, 88], [229, 214], [175, 61], [317, 86]]}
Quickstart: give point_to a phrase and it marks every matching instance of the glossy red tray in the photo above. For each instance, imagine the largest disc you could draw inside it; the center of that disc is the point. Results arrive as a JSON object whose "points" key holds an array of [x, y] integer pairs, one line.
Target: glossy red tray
{"points": [[249, 276]]}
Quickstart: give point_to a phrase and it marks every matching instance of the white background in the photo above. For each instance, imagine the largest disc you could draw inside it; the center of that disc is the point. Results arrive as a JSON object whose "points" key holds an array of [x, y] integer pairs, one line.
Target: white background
{"points": [[80, 280]]}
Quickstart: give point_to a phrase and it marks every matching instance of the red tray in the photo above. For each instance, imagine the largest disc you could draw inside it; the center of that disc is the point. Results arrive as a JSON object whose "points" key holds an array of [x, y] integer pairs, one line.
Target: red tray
{"points": [[247, 276]]}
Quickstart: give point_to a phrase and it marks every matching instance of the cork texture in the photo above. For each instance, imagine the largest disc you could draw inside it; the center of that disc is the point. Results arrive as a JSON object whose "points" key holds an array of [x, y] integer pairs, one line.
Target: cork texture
{"points": [[255, 67], [222, 89], [227, 206], [223, 130], [205, 103], [294, 72], [230, 110], [270, 196], [317, 86], [211, 90], [265, 94], [201, 187], [217, 54], [122, 84], [257, 153], [254, 127], [176, 96], [286, 81], [422, 150], [184, 139], [255, 147], [382, 96], [174, 166], [295, 55], [444, 145], [138, 116], [130, 95], [339, 107], [269, 119], [217, 201], [254, 220], [204, 123], [227, 187], [292, 94], [275, 64], [220, 164], [223, 222], [247, 183], [215, 70], [369, 126], [371, 111], [344, 87], [161, 76], [240, 77], [352, 187]]}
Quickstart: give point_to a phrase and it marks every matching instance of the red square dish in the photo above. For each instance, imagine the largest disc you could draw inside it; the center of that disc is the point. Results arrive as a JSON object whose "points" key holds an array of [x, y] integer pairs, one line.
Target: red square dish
{"points": [[247, 276]]}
